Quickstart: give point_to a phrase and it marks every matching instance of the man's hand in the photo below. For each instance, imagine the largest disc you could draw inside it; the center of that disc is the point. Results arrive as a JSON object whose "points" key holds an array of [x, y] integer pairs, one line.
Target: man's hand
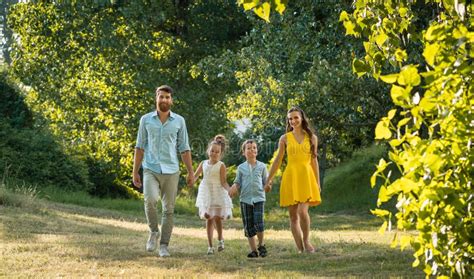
{"points": [[137, 182], [190, 179]]}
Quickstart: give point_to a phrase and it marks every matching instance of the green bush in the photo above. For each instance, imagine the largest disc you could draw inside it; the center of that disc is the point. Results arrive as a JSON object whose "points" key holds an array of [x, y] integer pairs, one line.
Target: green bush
{"points": [[32, 154]]}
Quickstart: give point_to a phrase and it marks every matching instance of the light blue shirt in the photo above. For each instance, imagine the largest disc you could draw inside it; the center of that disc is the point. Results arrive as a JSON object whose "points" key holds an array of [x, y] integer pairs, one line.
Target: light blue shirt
{"points": [[251, 181], [162, 142]]}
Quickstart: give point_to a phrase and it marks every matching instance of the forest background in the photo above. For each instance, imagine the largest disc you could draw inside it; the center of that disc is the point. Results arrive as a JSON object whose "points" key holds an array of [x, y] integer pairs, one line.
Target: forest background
{"points": [[77, 77]]}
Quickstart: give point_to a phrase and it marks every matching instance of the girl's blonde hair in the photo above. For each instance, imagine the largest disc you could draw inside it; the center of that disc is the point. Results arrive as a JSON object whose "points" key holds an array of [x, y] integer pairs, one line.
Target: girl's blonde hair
{"points": [[218, 140]]}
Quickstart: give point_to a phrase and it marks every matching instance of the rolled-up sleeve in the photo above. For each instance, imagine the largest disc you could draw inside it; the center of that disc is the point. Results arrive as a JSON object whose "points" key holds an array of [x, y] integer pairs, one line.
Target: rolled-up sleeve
{"points": [[183, 139], [238, 177], [142, 136]]}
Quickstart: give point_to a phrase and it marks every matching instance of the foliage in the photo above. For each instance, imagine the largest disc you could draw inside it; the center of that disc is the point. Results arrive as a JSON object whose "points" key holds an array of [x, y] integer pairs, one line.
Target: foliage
{"points": [[92, 70], [32, 154], [425, 52], [263, 8], [346, 186], [301, 58]]}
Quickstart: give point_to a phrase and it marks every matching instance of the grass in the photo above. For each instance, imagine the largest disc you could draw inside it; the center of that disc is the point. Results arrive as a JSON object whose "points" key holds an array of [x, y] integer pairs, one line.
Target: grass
{"points": [[50, 239], [347, 186]]}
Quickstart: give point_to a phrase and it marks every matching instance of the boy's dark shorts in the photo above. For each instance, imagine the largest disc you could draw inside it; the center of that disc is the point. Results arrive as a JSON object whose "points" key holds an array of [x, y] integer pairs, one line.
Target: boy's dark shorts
{"points": [[252, 217]]}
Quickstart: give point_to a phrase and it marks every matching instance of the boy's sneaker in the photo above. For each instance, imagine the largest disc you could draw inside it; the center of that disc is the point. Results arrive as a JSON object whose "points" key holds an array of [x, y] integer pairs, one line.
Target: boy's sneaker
{"points": [[220, 245], [164, 250], [253, 254], [151, 243], [210, 251], [262, 251]]}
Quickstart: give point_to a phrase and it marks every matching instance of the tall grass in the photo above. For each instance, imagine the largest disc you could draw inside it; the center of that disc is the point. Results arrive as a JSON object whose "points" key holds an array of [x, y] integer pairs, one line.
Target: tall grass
{"points": [[15, 192]]}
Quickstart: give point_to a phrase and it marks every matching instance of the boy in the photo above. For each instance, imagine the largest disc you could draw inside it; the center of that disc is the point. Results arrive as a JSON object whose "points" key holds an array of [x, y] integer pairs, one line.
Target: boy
{"points": [[251, 176]]}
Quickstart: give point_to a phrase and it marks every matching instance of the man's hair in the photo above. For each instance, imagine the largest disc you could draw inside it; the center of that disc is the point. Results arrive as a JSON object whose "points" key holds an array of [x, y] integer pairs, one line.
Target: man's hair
{"points": [[165, 88]]}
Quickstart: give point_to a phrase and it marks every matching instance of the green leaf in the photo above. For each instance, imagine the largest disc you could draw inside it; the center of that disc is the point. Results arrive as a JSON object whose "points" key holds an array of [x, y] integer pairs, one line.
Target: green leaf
{"points": [[380, 39], [433, 32], [396, 142], [248, 4], [391, 114], [344, 16], [383, 196], [383, 228], [405, 241], [391, 78], [380, 212], [360, 67], [430, 53], [398, 94], [373, 180], [403, 122], [402, 11], [409, 76], [400, 55], [263, 11], [350, 28], [382, 130], [280, 5]]}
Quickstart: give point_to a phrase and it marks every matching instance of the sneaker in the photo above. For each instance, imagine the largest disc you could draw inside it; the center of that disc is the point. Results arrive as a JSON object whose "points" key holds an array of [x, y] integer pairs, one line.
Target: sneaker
{"points": [[220, 245], [262, 251], [210, 250], [164, 250], [253, 254], [151, 243]]}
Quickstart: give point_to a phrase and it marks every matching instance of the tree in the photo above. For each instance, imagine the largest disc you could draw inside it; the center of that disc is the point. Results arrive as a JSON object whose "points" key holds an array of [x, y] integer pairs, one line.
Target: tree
{"points": [[429, 65], [424, 51], [5, 32], [92, 70], [300, 59]]}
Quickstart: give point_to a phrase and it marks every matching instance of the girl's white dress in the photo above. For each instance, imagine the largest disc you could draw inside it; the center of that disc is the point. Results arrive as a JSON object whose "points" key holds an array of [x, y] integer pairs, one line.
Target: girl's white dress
{"points": [[212, 198]]}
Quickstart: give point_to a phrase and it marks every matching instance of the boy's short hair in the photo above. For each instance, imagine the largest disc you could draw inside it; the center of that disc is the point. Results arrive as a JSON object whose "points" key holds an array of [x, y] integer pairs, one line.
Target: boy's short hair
{"points": [[165, 88], [247, 142]]}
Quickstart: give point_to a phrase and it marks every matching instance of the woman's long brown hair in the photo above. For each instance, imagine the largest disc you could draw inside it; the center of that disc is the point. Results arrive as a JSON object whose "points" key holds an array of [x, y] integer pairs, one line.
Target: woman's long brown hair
{"points": [[305, 125]]}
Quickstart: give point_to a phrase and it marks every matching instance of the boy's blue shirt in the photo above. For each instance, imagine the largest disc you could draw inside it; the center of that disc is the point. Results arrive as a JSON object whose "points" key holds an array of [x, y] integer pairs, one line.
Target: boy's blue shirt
{"points": [[251, 181], [160, 141]]}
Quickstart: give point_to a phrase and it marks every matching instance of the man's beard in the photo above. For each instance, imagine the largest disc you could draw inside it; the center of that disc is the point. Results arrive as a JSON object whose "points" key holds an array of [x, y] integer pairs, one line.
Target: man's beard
{"points": [[164, 107]]}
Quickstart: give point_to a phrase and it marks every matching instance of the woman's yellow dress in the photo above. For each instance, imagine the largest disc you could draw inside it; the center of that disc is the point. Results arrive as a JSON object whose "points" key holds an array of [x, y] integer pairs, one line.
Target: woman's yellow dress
{"points": [[298, 183]]}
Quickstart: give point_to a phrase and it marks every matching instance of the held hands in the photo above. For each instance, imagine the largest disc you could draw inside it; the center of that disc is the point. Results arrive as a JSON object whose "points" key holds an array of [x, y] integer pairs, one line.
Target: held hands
{"points": [[190, 179], [268, 186], [232, 191]]}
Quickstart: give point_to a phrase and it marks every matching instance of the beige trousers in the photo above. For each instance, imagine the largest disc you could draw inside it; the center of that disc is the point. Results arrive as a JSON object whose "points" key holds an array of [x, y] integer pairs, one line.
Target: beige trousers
{"points": [[164, 186]]}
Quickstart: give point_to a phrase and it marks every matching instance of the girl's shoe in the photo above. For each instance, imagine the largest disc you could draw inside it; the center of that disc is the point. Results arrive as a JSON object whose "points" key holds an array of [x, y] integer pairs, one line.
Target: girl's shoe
{"points": [[210, 251], [220, 245]]}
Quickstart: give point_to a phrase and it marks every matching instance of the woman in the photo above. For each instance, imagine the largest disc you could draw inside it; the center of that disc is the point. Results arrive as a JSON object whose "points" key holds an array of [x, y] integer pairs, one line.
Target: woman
{"points": [[300, 187]]}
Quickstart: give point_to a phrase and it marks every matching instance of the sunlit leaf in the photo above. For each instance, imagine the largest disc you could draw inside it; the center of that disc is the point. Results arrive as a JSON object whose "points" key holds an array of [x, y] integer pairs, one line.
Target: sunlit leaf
{"points": [[263, 11], [389, 78], [382, 130]]}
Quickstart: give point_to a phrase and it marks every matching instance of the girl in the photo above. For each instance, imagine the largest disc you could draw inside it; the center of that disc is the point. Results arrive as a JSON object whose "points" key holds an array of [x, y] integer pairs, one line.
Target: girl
{"points": [[213, 199], [300, 187]]}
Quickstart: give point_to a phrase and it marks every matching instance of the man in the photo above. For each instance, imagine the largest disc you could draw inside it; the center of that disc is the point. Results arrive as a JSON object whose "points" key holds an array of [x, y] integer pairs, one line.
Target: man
{"points": [[161, 134]]}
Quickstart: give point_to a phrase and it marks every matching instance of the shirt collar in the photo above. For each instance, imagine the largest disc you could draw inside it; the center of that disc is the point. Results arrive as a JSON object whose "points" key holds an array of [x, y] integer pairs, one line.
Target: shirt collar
{"points": [[172, 114]]}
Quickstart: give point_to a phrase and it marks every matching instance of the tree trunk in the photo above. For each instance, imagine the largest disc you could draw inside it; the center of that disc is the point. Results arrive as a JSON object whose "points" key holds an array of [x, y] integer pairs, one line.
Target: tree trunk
{"points": [[322, 165]]}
